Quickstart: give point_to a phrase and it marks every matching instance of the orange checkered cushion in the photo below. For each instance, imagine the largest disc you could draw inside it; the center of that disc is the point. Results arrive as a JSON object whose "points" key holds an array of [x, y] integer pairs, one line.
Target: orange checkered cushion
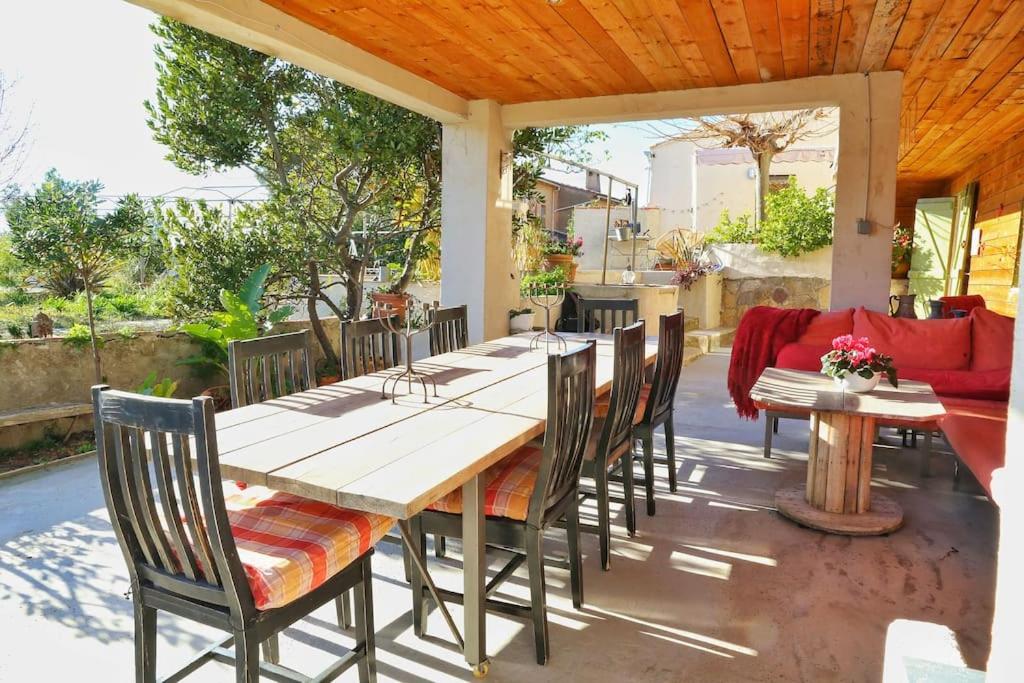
{"points": [[289, 545], [509, 486], [601, 404]]}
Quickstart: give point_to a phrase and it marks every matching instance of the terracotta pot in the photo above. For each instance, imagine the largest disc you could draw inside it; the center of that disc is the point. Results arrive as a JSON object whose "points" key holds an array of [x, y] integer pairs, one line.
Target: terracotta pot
{"points": [[327, 379], [399, 303], [565, 262], [901, 270], [221, 395]]}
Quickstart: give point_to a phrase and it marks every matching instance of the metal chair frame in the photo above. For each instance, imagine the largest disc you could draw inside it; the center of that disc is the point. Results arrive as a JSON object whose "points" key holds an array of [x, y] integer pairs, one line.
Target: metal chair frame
{"points": [[570, 416], [178, 544]]}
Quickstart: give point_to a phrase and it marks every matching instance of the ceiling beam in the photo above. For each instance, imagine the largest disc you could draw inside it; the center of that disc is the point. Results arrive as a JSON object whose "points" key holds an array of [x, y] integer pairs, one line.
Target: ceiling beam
{"points": [[271, 31], [800, 93]]}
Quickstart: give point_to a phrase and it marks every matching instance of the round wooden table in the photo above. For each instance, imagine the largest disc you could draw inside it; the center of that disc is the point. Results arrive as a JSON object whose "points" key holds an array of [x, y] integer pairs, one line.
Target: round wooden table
{"points": [[837, 496]]}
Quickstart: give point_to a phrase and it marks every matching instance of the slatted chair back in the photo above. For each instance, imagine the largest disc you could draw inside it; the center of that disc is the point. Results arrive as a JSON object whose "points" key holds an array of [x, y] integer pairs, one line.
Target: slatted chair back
{"points": [[604, 315], [270, 367], [667, 367], [627, 379], [450, 331], [175, 537], [570, 416], [368, 346]]}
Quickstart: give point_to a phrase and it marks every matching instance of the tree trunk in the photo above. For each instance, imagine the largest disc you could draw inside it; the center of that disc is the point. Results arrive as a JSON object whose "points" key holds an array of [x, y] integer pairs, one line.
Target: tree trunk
{"points": [[97, 370], [764, 164], [330, 355]]}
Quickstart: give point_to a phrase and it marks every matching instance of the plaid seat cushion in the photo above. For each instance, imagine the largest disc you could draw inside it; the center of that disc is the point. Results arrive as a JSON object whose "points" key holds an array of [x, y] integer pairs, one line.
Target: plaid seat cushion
{"points": [[509, 485], [601, 404], [289, 545]]}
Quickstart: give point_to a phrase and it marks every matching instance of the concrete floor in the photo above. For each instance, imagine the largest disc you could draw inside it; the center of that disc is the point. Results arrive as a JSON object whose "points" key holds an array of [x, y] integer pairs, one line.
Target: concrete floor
{"points": [[716, 587]]}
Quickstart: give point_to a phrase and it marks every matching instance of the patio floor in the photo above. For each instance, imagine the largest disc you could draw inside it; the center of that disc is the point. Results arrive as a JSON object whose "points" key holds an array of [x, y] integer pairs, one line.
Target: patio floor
{"points": [[716, 587]]}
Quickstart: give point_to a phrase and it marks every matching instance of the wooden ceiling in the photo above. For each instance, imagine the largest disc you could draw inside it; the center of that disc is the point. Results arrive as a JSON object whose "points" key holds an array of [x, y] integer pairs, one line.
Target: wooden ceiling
{"points": [[963, 60]]}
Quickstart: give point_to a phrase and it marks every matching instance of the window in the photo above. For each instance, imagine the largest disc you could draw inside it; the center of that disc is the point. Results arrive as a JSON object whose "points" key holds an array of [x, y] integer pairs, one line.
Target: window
{"points": [[777, 181]]}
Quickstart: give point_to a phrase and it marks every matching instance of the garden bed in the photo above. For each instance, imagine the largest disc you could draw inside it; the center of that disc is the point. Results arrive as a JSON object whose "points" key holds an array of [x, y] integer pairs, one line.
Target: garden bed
{"points": [[49, 449]]}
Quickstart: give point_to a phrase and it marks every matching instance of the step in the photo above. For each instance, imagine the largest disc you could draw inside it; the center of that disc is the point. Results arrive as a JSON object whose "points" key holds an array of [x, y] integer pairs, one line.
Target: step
{"points": [[691, 324], [709, 340]]}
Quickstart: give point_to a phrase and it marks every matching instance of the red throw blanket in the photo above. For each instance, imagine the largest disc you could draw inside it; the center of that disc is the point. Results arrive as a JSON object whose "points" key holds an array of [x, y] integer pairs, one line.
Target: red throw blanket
{"points": [[761, 334]]}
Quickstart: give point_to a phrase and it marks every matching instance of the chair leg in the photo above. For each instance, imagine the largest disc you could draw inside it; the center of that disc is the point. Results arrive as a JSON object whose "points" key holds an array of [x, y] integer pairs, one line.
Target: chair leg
{"points": [[145, 643], [440, 547], [604, 520], [775, 425], [648, 442], [272, 649], [419, 623], [572, 531], [538, 604], [670, 452], [627, 488], [768, 432], [363, 594], [247, 657], [343, 603]]}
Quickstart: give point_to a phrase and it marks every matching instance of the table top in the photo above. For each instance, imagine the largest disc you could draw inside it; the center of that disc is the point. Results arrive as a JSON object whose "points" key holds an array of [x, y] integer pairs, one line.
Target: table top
{"points": [[343, 445], [911, 402]]}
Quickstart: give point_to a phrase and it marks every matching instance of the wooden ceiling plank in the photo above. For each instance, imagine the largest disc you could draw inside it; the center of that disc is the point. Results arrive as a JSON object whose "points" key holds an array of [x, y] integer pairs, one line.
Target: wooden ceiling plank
{"points": [[825, 20], [974, 139], [732, 18], [700, 16], [853, 32], [648, 29], [940, 34], [916, 22], [672, 22], [574, 14], [885, 24], [795, 28], [977, 26], [663, 77], [765, 35]]}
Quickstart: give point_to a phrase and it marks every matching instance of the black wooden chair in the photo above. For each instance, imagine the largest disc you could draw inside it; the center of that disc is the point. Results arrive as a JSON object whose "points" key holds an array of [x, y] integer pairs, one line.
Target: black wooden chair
{"points": [[604, 315], [450, 331], [610, 449], [182, 550], [367, 346], [530, 490], [658, 398], [269, 367]]}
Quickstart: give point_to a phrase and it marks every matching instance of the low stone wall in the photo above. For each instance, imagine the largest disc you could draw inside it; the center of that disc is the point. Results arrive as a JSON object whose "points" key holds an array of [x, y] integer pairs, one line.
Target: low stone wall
{"points": [[742, 294]]}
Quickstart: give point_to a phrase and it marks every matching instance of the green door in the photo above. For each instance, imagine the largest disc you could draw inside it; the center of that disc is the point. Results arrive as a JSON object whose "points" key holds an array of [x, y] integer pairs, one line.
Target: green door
{"points": [[929, 261]]}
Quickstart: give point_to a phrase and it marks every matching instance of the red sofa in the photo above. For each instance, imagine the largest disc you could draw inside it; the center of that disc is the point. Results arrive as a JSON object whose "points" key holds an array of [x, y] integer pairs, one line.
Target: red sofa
{"points": [[966, 360]]}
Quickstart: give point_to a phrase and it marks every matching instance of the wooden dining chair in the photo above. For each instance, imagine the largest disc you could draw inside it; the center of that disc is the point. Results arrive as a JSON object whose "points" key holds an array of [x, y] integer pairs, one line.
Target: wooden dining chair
{"points": [[215, 554], [528, 491], [610, 449], [450, 331], [604, 315], [657, 400], [367, 346], [269, 367]]}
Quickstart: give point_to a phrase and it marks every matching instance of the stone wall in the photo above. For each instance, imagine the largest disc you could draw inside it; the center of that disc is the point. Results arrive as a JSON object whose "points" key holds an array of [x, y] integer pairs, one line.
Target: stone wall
{"points": [[740, 295]]}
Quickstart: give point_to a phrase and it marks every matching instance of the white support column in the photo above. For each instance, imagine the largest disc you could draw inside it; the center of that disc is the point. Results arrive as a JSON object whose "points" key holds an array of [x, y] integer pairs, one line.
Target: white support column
{"points": [[866, 188], [476, 221], [1004, 662]]}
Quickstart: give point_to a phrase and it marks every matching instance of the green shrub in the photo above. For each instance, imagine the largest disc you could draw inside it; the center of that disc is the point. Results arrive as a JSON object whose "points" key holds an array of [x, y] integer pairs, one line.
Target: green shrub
{"points": [[797, 223], [740, 230], [78, 337]]}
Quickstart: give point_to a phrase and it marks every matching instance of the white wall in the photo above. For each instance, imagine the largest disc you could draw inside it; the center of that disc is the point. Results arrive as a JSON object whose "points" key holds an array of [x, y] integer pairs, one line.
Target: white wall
{"points": [[746, 260]]}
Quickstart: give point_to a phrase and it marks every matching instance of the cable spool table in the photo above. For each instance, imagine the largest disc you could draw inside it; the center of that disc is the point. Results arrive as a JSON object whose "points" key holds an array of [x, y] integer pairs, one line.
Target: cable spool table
{"points": [[837, 497]]}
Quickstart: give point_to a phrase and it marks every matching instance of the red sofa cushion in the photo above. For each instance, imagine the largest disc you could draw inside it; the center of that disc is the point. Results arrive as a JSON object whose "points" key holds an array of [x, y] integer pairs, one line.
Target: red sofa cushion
{"points": [[826, 327], [925, 344], [987, 385], [979, 441], [799, 356], [991, 340]]}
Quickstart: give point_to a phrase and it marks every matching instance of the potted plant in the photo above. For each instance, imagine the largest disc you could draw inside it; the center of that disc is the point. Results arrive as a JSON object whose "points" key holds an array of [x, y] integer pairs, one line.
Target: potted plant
{"points": [[559, 254], [690, 256], [857, 366], [391, 295], [520, 320], [902, 245]]}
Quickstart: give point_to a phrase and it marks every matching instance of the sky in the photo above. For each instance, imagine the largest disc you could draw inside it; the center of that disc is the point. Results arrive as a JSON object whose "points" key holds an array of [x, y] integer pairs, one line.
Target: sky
{"points": [[81, 81]]}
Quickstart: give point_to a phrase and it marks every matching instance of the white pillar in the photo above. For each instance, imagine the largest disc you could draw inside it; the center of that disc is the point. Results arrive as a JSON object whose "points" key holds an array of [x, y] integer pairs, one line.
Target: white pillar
{"points": [[1005, 659], [869, 127], [477, 268]]}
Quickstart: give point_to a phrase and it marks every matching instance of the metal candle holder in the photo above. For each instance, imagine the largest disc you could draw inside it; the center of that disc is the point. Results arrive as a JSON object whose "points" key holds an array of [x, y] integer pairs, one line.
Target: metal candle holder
{"points": [[388, 318], [547, 297]]}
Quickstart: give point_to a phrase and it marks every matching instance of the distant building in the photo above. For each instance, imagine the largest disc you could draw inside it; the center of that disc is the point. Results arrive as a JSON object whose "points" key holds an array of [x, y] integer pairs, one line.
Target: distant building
{"points": [[557, 201]]}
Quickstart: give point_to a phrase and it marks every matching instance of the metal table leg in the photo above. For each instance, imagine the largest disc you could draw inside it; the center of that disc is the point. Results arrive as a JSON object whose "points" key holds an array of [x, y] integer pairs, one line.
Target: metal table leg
{"points": [[474, 569]]}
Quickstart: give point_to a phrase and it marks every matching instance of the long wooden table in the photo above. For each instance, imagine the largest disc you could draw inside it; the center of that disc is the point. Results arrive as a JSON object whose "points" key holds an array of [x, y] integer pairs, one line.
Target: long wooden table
{"points": [[342, 444]]}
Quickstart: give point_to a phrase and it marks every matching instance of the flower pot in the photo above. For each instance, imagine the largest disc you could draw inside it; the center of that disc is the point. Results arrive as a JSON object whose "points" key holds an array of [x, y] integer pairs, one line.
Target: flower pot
{"points": [[327, 379], [858, 384], [399, 303], [221, 395], [563, 261], [901, 270], [522, 322]]}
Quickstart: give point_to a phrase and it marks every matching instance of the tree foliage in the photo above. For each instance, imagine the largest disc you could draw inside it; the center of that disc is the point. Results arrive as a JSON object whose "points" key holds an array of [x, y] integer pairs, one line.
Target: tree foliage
{"points": [[59, 228]]}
